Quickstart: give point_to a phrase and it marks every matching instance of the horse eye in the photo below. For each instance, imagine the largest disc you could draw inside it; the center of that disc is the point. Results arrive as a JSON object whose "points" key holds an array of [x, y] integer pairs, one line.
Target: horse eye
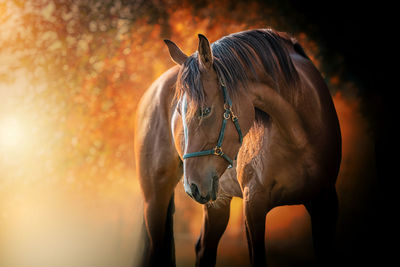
{"points": [[204, 112]]}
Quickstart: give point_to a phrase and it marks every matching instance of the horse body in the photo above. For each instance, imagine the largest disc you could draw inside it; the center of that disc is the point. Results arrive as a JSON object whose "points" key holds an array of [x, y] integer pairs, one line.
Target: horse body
{"points": [[291, 154]]}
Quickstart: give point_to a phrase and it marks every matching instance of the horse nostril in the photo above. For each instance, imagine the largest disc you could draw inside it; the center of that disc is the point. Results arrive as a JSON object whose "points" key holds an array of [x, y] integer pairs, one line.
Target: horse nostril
{"points": [[194, 189], [197, 196]]}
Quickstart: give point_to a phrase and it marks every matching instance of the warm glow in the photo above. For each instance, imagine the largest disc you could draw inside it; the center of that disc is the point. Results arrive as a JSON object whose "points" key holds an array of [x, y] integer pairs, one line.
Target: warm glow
{"points": [[11, 133], [71, 75]]}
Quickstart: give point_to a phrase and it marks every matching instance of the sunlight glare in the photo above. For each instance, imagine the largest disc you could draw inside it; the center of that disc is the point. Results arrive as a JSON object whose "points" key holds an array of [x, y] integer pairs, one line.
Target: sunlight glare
{"points": [[11, 133]]}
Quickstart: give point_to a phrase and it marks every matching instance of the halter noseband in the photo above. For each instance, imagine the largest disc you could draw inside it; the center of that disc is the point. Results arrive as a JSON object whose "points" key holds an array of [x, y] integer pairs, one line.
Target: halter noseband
{"points": [[228, 114]]}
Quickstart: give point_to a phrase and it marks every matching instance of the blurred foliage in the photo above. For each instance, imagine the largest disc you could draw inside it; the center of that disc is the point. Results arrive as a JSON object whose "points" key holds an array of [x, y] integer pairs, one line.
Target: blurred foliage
{"points": [[79, 64]]}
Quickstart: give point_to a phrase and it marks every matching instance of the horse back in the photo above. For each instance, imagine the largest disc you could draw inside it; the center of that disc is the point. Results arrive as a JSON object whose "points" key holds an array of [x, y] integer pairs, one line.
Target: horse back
{"points": [[319, 115]]}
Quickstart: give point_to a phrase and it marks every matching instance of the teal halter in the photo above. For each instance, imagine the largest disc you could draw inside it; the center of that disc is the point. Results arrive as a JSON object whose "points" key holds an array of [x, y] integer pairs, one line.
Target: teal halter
{"points": [[228, 114]]}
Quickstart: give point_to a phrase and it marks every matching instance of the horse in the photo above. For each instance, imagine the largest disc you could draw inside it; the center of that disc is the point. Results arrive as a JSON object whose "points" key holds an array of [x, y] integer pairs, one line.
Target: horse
{"points": [[248, 116]]}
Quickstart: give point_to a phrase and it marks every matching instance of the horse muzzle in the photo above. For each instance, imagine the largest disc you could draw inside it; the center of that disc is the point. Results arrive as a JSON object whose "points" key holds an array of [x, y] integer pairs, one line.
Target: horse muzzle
{"points": [[203, 194]]}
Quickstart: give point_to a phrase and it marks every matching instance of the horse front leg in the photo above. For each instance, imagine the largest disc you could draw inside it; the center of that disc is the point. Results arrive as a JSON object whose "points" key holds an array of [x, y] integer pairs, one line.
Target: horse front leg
{"points": [[215, 220], [255, 211], [159, 248], [158, 221]]}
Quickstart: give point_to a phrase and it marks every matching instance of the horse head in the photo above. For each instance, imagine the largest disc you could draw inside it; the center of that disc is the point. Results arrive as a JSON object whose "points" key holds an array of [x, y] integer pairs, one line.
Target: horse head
{"points": [[208, 126]]}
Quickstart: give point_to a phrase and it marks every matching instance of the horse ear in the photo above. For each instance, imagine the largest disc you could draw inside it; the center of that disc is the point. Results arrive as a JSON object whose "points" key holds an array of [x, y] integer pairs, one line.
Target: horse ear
{"points": [[175, 52], [205, 54]]}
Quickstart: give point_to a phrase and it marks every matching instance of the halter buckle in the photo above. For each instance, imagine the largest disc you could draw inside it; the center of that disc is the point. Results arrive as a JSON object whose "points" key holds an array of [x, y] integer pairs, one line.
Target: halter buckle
{"points": [[218, 151]]}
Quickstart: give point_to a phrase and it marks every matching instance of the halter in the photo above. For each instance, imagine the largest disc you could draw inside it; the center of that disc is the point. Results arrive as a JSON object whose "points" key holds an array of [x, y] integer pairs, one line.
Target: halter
{"points": [[228, 114]]}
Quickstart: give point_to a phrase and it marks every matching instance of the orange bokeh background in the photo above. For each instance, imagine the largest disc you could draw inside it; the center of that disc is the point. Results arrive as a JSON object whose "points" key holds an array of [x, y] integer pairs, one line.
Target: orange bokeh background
{"points": [[70, 81]]}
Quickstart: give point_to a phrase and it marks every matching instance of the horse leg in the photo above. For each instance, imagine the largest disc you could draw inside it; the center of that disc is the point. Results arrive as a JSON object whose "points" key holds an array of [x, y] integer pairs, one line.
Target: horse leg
{"points": [[169, 231], [215, 220], [255, 210], [323, 211], [168, 238], [158, 213]]}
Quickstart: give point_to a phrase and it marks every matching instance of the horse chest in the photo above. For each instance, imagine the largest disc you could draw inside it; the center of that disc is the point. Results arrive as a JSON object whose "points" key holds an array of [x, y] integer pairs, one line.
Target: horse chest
{"points": [[269, 163]]}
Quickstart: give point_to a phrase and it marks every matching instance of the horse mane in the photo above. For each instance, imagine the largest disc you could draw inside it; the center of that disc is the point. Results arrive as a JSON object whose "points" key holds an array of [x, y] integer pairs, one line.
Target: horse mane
{"points": [[236, 58]]}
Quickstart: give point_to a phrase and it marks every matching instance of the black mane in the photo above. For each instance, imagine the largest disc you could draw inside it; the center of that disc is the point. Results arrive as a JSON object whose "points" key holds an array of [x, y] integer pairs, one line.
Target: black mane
{"points": [[236, 58]]}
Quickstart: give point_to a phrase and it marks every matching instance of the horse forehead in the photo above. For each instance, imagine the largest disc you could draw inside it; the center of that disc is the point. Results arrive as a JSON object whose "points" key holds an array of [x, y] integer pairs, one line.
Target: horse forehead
{"points": [[211, 88]]}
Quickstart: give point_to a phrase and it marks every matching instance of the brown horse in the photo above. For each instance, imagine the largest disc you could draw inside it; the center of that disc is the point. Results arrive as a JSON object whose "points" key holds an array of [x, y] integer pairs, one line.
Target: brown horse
{"points": [[254, 96]]}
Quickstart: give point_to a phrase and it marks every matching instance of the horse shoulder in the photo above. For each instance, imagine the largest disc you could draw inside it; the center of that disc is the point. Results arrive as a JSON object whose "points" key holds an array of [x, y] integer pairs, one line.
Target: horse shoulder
{"points": [[155, 153]]}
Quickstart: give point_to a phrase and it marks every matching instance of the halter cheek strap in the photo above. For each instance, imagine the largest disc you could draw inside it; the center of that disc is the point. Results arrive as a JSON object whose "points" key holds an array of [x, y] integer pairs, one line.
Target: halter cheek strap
{"points": [[228, 114]]}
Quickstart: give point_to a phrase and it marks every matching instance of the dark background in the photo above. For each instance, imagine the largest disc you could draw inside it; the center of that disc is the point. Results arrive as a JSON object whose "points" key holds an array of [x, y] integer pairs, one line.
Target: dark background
{"points": [[360, 32]]}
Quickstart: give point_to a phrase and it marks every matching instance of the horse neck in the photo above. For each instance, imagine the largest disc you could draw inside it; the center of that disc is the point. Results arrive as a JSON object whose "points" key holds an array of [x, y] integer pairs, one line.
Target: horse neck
{"points": [[282, 109]]}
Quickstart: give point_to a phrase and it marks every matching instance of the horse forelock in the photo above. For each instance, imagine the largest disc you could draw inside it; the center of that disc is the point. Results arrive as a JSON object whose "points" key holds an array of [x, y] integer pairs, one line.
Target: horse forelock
{"points": [[189, 84], [237, 57]]}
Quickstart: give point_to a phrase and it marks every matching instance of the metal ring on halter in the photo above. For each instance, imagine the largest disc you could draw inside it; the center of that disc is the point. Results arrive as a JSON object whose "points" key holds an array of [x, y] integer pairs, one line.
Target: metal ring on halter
{"points": [[227, 115], [218, 151]]}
